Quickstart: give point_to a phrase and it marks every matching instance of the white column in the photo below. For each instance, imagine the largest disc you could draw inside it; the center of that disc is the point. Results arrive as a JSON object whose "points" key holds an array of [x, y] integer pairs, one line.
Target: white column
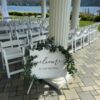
{"points": [[44, 9], [59, 21], [4, 9], [75, 13]]}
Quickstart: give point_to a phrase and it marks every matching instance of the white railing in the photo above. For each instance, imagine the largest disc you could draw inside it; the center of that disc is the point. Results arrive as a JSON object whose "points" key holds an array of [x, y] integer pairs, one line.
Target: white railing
{"points": [[83, 37]]}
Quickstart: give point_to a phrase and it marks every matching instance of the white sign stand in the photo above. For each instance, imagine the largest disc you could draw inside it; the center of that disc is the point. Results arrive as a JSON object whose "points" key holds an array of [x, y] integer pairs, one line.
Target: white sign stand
{"points": [[50, 66]]}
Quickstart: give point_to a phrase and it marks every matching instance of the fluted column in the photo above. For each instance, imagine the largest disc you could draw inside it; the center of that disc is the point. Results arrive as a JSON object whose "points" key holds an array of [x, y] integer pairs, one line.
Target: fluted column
{"points": [[59, 21], [4, 9], [75, 13], [43, 9]]}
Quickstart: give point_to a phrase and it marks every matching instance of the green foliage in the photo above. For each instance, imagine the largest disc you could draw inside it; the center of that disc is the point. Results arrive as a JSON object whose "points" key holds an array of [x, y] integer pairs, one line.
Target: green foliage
{"points": [[89, 17], [99, 28], [47, 15], [86, 17], [69, 61], [86, 23], [22, 14], [16, 13], [49, 45], [27, 67], [26, 14], [97, 18]]}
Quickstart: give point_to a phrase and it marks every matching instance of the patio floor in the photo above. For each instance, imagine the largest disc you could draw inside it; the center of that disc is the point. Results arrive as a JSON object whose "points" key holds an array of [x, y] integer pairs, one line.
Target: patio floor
{"points": [[86, 85]]}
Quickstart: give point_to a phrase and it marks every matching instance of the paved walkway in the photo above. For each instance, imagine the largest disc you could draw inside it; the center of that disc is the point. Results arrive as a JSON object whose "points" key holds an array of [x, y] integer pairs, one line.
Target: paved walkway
{"points": [[86, 85]]}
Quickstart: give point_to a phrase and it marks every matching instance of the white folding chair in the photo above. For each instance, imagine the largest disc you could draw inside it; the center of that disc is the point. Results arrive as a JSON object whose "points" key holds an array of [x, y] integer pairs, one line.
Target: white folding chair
{"points": [[21, 32], [78, 40], [34, 30], [5, 33], [37, 39], [44, 27], [11, 55], [85, 36]]}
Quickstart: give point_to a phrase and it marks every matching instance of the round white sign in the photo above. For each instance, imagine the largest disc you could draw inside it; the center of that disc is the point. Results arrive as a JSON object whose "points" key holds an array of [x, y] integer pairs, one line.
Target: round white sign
{"points": [[49, 65]]}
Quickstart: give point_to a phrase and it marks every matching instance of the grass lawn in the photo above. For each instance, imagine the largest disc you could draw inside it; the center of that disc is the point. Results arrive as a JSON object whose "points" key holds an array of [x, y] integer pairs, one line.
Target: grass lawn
{"points": [[86, 23], [99, 28]]}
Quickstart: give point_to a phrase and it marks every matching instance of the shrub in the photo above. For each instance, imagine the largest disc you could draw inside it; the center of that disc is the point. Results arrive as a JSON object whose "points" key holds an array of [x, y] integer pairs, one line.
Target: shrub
{"points": [[16, 13], [47, 15], [97, 18], [26, 14], [21, 14], [86, 17]]}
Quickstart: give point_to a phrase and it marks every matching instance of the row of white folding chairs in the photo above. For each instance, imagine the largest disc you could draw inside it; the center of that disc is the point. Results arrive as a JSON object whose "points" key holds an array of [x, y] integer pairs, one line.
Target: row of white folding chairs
{"points": [[81, 38], [8, 32], [13, 52]]}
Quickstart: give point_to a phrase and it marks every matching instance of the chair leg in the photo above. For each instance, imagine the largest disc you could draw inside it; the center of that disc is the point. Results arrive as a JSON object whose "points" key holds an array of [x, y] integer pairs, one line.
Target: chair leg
{"points": [[3, 63], [7, 68]]}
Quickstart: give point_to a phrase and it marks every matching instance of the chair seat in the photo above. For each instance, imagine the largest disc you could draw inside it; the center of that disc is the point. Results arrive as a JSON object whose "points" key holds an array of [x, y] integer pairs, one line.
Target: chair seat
{"points": [[45, 31], [4, 36], [22, 35], [33, 33], [13, 53]]}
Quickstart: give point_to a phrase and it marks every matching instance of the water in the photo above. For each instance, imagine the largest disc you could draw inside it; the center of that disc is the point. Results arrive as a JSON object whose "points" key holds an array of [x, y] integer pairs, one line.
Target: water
{"points": [[37, 9], [92, 10]]}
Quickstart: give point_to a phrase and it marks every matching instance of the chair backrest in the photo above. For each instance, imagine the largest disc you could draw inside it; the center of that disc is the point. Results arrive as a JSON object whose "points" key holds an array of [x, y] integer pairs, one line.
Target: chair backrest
{"points": [[5, 29], [13, 43], [38, 38], [20, 31], [21, 28]]}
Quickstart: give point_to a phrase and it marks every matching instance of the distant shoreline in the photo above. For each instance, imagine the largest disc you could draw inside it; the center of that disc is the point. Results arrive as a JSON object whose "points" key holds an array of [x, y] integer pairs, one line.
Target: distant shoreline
{"points": [[47, 5], [37, 9]]}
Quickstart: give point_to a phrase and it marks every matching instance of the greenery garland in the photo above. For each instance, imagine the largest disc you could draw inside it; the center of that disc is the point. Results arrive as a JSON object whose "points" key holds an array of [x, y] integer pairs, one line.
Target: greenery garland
{"points": [[49, 45]]}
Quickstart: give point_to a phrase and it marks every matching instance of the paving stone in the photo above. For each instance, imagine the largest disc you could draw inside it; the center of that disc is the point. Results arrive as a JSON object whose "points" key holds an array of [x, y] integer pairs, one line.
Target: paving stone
{"points": [[89, 88], [51, 98], [16, 98], [73, 85], [81, 84], [98, 91], [22, 92], [93, 92], [98, 82], [77, 79], [1, 90], [71, 94], [12, 93], [88, 81], [97, 97], [85, 96], [96, 87], [27, 97], [78, 89], [41, 99], [3, 96], [62, 97]]}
